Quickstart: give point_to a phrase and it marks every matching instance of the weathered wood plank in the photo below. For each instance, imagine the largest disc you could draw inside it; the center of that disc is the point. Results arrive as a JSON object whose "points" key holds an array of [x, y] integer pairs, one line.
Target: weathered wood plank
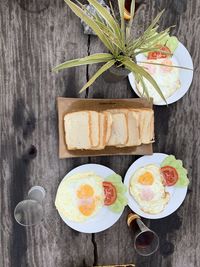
{"points": [[176, 134], [32, 42]]}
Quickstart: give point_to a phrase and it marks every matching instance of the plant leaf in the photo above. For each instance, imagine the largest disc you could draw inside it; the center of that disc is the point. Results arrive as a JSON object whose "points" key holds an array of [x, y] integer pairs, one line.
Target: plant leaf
{"points": [[107, 16], [112, 9], [141, 71], [139, 79], [121, 4], [155, 21], [131, 19], [138, 42], [98, 73], [144, 87], [156, 39], [83, 16], [152, 49], [92, 59], [165, 65], [148, 42], [106, 30], [112, 36]]}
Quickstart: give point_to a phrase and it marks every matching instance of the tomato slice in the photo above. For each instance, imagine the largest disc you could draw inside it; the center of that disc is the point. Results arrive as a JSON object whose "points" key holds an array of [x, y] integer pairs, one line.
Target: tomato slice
{"points": [[110, 193], [158, 54], [170, 175]]}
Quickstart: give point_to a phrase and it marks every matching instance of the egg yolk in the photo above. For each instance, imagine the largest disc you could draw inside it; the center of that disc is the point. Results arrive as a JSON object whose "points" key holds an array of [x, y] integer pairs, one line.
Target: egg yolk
{"points": [[87, 207], [85, 194], [146, 179], [85, 191]]}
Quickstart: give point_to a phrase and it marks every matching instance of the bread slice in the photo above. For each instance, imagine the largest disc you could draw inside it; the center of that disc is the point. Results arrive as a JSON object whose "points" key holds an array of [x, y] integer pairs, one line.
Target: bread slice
{"points": [[125, 112], [146, 125], [95, 128], [108, 122], [133, 129], [77, 132], [102, 132], [102, 124], [132, 126], [119, 132]]}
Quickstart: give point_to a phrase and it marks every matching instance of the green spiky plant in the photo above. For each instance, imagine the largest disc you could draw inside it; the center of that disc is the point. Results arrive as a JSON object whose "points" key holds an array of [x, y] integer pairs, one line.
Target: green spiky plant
{"points": [[122, 48]]}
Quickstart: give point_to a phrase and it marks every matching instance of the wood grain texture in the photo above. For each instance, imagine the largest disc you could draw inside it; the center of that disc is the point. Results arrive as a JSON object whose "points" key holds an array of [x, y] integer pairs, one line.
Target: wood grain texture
{"points": [[175, 134], [31, 44], [35, 36]]}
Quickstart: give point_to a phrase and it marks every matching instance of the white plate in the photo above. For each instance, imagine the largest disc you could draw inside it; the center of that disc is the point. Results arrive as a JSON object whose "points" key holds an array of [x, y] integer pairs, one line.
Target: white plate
{"points": [[182, 56], [177, 195], [104, 218]]}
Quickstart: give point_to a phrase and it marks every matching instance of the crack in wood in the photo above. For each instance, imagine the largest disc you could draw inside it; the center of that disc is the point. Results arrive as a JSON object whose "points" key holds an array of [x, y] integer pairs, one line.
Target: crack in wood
{"points": [[95, 250], [87, 67], [89, 159], [18, 242]]}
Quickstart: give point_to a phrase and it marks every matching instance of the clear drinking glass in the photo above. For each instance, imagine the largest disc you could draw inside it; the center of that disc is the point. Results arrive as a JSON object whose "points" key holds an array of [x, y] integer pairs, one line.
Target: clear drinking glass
{"points": [[146, 241], [30, 211]]}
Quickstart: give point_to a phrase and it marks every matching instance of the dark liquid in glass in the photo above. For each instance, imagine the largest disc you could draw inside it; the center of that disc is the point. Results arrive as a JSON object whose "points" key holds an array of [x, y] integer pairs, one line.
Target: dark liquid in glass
{"points": [[144, 240]]}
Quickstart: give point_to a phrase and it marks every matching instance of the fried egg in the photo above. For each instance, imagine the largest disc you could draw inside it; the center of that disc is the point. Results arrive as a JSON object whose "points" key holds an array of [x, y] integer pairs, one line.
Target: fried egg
{"points": [[80, 196], [167, 78], [148, 190]]}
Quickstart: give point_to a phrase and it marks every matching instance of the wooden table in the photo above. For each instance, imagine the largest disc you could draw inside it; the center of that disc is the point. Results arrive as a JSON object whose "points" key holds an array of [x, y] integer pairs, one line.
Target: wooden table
{"points": [[35, 36]]}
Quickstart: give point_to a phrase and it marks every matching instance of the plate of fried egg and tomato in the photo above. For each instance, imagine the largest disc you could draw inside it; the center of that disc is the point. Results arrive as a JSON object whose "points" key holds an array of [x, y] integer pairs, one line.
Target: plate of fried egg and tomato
{"points": [[172, 69], [157, 185], [91, 198]]}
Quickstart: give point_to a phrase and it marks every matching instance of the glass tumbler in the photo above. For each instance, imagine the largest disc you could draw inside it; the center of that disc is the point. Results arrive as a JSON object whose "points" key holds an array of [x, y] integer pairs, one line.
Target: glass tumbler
{"points": [[30, 211], [146, 241]]}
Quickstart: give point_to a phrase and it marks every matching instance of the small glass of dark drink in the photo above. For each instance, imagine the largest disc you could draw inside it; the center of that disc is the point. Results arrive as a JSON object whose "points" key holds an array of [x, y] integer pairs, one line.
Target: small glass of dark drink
{"points": [[146, 241]]}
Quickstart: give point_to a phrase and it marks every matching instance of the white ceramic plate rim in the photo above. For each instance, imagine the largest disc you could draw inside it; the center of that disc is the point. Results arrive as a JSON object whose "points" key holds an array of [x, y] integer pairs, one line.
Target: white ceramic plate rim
{"points": [[104, 218], [184, 59], [177, 195]]}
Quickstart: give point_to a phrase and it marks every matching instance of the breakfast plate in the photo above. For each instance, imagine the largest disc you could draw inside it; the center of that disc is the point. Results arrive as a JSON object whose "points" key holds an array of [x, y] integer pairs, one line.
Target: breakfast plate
{"points": [[182, 58], [176, 194], [104, 218]]}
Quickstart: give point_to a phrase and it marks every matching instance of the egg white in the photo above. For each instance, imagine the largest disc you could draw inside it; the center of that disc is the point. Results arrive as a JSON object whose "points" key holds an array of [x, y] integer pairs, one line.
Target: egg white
{"points": [[169, 82], [160, 196], [66, 198]]}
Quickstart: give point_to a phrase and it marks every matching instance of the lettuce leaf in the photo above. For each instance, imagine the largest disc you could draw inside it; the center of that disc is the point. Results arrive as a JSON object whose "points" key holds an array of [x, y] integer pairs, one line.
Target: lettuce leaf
{"points": [[178, 165], [172, 43], [121, 189]]}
